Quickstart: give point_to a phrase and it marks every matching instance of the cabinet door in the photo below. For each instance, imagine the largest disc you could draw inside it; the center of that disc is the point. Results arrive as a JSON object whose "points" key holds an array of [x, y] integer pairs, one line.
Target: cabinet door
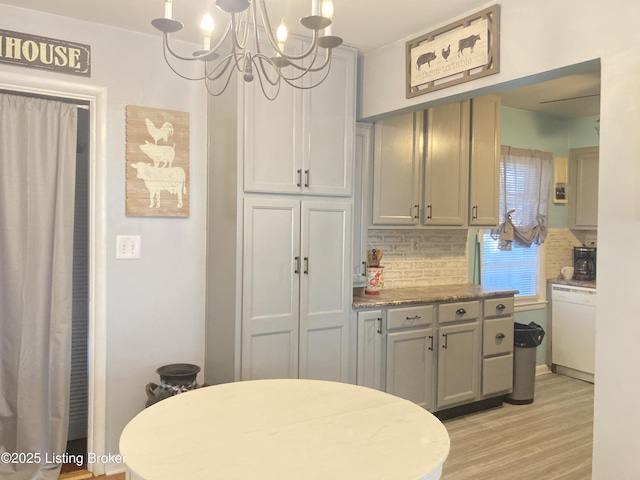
{"points": [[273, 142], [325, 289], [447, 165], [270, 306], [396, 170], [364, 150], [410, 365], [583, 188], [484, 185], [369, 356], [458, 363], [329, 127]]}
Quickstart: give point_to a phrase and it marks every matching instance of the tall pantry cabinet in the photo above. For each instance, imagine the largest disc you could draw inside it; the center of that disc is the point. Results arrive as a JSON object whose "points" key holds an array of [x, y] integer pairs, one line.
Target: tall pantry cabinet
{"points": [[279, 267]]}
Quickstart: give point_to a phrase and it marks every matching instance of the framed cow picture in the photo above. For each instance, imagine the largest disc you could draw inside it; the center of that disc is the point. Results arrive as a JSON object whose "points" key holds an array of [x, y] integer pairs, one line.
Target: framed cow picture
{"points": [[157, 162], [459, 52]]}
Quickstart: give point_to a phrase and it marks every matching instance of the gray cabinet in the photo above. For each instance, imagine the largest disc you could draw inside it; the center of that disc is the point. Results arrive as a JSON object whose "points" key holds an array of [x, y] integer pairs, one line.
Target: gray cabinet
{"points": [[446, 165], [397, 166], [458, 353], [583, 188], [369, 350], [439, 167], [484, 179], [410, 354], [438, 355], [361, 191], [497, 346]]}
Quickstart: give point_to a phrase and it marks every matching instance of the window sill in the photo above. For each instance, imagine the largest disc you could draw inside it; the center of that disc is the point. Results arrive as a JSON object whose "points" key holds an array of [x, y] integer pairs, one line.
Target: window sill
{"points": [[527, 305]]}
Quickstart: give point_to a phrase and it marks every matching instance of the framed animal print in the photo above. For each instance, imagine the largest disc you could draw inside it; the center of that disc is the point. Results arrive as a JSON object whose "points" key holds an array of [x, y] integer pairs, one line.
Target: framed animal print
{"points": [[157, 162], [459, 52]]}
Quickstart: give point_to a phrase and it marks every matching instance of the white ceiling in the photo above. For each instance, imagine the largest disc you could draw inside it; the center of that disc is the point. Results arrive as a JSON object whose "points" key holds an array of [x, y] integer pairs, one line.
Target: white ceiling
{"points": [[366, 24]]}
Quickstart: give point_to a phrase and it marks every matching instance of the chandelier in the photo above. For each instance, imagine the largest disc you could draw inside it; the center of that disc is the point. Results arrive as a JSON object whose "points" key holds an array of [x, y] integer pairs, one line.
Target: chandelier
{"points": [[248, 19]]}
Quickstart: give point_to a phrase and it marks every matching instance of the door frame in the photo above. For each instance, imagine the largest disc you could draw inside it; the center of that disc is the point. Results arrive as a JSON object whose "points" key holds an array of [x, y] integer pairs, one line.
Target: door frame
{"points": [[97, 357]]}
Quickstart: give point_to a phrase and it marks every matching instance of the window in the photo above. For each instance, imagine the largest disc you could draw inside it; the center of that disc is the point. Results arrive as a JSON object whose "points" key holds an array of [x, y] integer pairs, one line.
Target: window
{"points": [[520, 268], [513, 257]]}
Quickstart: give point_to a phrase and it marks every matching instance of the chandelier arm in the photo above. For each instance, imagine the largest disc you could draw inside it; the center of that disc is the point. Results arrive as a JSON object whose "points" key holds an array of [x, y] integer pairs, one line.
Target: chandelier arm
{"points": [[208, 81], [324, 77], [193, 79], [238, 43], [310, 68], [222, 64], [274, 42], [259, 63], [264, 92]]}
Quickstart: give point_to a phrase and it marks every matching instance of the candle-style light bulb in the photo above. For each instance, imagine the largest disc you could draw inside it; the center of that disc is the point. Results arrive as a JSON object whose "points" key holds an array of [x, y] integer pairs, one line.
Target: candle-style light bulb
{"points": [[327, 11], [207, 26], [281, 34], [168, 7], [315, 7]]}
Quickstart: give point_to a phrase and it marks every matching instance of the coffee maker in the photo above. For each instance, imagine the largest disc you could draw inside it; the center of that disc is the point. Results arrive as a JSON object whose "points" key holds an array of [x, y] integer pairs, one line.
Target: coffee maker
{"points": [[584, 263]]}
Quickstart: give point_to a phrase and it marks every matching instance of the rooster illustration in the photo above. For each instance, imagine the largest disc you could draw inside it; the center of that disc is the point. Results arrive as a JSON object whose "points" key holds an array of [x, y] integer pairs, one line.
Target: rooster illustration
{"points": [[446, 52], [156, 133]]}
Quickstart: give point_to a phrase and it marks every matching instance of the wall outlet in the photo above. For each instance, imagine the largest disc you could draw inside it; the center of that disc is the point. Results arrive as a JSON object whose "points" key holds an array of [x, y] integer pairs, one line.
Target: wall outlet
{"points": [[591, 240], [128, 246], [415, 244]]}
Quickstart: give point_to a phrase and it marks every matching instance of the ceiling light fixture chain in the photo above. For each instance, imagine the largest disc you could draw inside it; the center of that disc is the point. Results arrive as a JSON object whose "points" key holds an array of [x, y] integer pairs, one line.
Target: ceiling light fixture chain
{"points": [[247, 20]]}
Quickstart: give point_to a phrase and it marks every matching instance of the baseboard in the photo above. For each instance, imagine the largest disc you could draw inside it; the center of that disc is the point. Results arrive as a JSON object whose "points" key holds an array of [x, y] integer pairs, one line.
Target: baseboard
{"points": [[542, 370]]}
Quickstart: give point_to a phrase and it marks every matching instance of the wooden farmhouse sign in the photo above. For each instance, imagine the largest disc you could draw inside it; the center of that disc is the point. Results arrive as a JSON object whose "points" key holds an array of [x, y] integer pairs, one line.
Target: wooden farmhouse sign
{"points": [[47, 53], [460, 52], [157, 162]]}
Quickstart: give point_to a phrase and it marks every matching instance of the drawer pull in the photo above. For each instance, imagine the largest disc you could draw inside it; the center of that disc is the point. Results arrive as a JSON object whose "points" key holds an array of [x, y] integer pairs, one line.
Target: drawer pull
{"points": [[431, 346], [379, 324], [500, 336], [444, 344], [461, 311], [500, 307], [416, 317]]}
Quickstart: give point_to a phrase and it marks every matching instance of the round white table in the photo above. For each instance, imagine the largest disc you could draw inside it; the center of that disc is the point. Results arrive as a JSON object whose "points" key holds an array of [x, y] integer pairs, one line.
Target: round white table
{"points": [[285, 430]]}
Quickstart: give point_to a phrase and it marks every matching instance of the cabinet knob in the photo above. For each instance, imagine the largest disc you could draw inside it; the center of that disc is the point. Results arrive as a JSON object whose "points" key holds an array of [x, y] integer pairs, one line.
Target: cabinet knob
{"points": [[461, 311], [500, 336], [500, 307]]}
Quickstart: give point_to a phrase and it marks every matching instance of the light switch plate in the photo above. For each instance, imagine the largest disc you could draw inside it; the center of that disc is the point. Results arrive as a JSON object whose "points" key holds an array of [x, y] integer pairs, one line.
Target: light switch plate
{"points": [[128, 246]]}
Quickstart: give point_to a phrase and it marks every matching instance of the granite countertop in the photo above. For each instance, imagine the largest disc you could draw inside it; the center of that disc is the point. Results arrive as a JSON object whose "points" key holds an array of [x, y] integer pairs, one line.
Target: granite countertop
{"points": [[432, 294], [574, 283]]}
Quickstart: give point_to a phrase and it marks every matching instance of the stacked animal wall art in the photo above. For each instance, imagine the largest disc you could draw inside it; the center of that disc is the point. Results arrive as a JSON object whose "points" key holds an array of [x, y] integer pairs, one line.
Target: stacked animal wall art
{"points": [[157, 162]]}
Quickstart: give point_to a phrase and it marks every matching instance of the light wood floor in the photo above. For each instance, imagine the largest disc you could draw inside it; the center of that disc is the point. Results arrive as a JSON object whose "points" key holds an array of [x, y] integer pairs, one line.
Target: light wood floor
{"points": [[548, 439]]}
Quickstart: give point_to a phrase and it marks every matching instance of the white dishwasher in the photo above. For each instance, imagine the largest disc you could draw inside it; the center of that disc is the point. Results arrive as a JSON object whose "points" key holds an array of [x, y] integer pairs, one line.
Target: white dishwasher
{"points": [[573, 331]]}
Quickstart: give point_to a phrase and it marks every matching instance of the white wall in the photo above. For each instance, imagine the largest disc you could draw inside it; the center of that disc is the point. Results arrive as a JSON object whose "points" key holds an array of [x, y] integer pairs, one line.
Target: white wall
{"points": [[537, 37], [155, 305]]}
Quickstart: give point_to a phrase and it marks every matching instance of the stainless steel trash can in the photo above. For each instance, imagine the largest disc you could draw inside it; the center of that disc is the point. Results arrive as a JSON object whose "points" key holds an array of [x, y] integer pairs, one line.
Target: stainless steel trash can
{"points": [[526, 339]]}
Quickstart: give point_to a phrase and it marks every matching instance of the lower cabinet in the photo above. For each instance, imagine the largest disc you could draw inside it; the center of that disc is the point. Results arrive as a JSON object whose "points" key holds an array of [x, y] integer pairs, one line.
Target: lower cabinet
{"points": [[458, 363], [438, 355], [410, 365]]}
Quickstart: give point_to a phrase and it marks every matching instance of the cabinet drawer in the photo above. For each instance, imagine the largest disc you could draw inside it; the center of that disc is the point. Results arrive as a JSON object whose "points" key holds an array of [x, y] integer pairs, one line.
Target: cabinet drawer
{"points": [[409, 317], [497, 374], [497, 336], [498, 307], [455, 312]]}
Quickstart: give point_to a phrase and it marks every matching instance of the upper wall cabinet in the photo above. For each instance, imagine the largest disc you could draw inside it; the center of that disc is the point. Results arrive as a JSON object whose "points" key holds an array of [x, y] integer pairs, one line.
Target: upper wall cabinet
{"points": [[583, 188], [302, 142], [439, 167], [397, 166], [484, 182]]}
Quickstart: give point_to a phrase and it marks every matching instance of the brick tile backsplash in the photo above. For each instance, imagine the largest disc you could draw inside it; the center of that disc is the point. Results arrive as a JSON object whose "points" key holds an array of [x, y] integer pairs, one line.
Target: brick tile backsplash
{"points": [[439, 257]]}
